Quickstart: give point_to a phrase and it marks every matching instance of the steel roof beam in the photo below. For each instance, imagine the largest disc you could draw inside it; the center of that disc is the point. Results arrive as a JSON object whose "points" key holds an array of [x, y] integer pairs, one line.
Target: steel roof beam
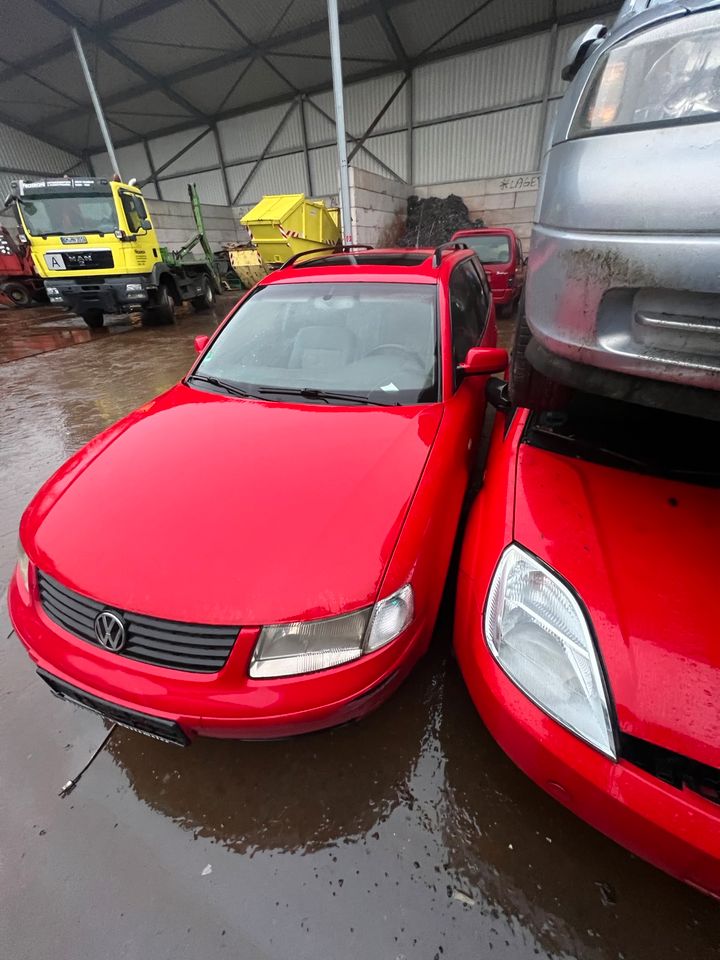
{"points": [[263, 155], [317, 28], [130, 17], [98, 37], [383, 110]]}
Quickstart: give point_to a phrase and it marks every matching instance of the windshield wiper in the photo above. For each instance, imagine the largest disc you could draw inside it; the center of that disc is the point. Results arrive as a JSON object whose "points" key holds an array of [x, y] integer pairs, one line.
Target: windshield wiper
{"points": [[314, 393], [222, 384]]}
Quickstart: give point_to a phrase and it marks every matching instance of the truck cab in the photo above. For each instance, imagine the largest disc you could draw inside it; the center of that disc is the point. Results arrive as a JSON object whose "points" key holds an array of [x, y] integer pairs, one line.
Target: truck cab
{"points": [[95, 247]]}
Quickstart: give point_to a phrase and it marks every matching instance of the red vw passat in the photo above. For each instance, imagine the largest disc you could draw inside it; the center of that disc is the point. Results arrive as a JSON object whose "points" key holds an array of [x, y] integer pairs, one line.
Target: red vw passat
{"points": [[586, 623], [261, 550]]}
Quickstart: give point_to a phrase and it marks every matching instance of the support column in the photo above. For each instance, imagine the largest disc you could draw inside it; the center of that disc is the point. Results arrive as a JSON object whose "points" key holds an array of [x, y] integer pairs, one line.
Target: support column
{"points": [[334, 28]]}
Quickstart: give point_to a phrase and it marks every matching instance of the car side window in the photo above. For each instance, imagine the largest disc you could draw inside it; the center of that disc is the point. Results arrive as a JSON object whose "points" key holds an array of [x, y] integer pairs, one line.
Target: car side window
{"points": [[468, 309]]}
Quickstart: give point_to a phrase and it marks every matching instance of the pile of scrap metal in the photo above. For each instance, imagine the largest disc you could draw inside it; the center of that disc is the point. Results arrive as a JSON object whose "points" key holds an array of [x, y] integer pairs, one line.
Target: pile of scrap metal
{"points": [[279, 227], [433, 221]]}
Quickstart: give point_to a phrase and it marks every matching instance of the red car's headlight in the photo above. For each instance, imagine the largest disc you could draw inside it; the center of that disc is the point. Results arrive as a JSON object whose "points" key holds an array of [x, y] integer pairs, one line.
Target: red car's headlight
{"points": [[23, 565], [287, 649]]}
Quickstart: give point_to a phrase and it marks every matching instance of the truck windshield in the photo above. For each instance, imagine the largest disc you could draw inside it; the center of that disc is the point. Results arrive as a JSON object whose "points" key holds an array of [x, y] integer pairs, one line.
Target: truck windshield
{"points": [[376, 341], [490, 247], [69, 213]]}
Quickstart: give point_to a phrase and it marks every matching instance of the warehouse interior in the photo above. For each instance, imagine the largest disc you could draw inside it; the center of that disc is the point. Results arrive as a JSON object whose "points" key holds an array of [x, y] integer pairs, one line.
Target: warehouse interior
{"points": [[406, 833], [457, 97]]}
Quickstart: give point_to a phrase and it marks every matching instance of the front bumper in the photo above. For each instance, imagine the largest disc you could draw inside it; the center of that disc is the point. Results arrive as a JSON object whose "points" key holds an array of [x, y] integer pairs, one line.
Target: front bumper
{"points": [[106, 293], [675, 830], [224, 704], [637, 304]]}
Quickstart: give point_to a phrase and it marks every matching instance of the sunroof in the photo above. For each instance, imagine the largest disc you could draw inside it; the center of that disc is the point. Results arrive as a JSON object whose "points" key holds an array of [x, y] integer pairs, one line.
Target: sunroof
{"points": [[409, 259]]}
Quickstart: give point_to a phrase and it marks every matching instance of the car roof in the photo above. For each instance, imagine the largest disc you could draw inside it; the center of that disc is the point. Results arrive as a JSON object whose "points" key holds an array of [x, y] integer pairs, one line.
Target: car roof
{"points": [[394, 264]]}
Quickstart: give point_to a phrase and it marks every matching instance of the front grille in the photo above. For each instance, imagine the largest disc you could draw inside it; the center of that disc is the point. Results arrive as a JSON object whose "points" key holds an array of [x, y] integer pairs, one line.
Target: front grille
{"points": [[163, 643], [674, 768]]}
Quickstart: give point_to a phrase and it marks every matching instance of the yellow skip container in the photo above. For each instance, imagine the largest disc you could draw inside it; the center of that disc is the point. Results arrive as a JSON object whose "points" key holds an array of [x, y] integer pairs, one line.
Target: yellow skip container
{"points": [[285, 224]]}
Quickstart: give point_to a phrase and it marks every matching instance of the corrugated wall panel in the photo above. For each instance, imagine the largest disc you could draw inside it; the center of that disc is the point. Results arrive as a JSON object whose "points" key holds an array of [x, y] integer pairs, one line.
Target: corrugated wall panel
{"points": [[202, 154], [486, 146], [132, 161], [236, 176], [247, 135], [319, 129], [276, 175], [487, 78], [324, 167], [18, 149], [363, 102], [391, 148], [210, 188]]}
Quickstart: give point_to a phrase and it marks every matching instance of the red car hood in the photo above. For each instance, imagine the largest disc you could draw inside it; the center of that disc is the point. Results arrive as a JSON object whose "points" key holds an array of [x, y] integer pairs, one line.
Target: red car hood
{"points": [[640, 552], [210, 509]]}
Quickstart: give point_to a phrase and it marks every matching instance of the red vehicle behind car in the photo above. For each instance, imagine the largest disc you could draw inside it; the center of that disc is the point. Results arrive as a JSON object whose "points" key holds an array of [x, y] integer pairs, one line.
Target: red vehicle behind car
{"points": [[586, 622], [500, 252], [262, 550]]}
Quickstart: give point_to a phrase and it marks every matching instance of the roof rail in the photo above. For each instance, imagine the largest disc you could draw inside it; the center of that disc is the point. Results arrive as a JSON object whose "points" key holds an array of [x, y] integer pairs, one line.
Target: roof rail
{"points": [[450, 245], [338, 248]]}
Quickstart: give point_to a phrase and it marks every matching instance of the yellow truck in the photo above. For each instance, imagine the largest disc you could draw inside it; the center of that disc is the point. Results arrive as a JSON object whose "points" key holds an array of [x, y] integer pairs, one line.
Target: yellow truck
{"points": [[97, 251]]}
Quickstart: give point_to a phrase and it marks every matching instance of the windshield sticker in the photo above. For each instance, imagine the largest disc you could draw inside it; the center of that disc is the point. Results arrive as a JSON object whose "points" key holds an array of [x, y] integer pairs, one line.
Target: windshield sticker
{"points": [[389, 388]]}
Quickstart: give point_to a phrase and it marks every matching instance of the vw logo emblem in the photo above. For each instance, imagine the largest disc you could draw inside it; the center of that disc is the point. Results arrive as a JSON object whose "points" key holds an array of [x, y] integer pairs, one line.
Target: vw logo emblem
{"points": [[110, 631]]}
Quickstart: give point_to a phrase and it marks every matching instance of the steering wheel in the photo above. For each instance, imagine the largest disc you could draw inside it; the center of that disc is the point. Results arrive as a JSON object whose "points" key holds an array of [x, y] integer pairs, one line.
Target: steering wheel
{"points": [[398, 348]]}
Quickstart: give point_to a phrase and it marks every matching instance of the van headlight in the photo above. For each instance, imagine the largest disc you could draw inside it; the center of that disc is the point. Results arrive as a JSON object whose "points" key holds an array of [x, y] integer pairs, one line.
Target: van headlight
{"points": [[23, 562], [538, 633], [287, 649], [665, 74]]}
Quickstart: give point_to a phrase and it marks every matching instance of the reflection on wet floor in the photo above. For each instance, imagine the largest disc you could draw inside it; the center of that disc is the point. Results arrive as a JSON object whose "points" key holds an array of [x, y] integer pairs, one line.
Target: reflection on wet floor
{"points": [[35, 330], [408, 835]]}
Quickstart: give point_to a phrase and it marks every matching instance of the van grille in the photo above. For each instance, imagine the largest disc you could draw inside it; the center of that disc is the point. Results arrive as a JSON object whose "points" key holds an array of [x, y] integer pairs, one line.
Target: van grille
{"points": [[163, 643]]}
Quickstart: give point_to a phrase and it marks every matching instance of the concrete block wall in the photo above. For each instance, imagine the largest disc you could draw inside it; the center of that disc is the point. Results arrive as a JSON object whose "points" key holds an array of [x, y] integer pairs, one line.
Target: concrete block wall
{"points": [[375, 204], [501, 201], [174, 223]]}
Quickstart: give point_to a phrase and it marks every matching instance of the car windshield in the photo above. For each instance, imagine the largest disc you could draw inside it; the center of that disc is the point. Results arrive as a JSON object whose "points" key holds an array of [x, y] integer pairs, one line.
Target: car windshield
{"points": [[376, 341], [69, 213], [490, 247]]}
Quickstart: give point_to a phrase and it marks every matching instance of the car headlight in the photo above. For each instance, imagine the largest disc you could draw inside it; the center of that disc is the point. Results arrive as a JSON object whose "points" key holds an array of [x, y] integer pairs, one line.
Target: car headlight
{"points": [[287, 649], [661, 75], [539, 634], [23, 565]]}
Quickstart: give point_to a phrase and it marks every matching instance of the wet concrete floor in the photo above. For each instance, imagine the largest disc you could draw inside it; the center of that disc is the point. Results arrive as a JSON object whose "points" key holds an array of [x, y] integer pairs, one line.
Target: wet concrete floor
{"points": [[409, 835]]}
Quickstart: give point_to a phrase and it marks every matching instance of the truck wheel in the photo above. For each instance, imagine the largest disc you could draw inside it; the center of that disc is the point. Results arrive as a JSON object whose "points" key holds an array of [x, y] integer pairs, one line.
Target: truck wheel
{"points": [[206, 300], [93, 318], [528, 387], [163, 312], [20, 295]]}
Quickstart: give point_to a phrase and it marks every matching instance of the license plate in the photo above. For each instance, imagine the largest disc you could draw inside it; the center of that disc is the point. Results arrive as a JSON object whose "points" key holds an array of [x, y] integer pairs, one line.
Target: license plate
{"points": [[55, 261], [156, 727]]}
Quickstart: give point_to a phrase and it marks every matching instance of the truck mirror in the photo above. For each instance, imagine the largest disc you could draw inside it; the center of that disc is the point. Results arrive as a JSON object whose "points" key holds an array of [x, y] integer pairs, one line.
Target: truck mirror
{"points": [[145, 224]]}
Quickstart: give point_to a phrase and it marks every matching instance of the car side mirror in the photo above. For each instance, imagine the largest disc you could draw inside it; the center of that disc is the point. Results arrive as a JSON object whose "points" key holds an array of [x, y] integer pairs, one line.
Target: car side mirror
{"points": [[482, 361], [201, 341], [581, 49]]}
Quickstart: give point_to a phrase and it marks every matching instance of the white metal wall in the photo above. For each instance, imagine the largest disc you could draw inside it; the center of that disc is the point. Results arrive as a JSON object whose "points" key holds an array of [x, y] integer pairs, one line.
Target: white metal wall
{"points": [[487, 113], [23, 156]]}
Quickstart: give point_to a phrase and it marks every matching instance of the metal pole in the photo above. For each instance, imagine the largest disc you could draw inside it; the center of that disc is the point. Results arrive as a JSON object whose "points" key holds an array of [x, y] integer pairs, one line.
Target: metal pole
{"points": [[96, 102], [336, 56]]}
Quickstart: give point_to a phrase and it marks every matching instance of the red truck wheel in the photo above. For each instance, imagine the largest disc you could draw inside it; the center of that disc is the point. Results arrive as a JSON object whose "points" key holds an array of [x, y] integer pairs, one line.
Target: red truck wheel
{"points": [[20, 295]]}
